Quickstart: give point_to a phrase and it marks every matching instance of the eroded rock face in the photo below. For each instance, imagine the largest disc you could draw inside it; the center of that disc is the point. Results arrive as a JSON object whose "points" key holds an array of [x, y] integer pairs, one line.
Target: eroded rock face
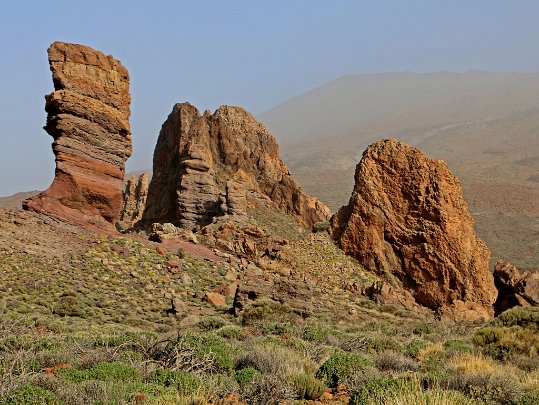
{"points": [[407, 220], [88, 117], [515, 288], [204, 166], [134, 199]]}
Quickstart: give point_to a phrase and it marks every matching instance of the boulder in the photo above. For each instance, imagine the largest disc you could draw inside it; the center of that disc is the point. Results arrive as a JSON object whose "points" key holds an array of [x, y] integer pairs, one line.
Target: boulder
{"points": [[88, 118], [515, 288], [206, 165], [407, 221]]}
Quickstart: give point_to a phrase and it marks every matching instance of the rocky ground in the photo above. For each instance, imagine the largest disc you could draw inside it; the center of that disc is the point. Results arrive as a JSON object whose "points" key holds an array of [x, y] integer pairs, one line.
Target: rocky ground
{"points": [[95, 318]]}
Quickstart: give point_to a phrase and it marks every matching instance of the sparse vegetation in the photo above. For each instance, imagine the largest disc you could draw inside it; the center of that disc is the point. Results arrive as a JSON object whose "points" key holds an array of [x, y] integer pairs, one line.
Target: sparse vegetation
{"points": [[98, 328]]}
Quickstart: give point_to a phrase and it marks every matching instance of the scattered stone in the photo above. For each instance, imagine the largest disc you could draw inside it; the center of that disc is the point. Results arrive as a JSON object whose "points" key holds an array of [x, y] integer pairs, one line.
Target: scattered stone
{"points": [[161, 251], [88, 117], [216, 299], [408, 222]]}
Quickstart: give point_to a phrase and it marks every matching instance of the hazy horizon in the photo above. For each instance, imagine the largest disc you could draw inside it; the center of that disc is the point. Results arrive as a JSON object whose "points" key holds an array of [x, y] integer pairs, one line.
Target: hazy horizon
{"points": [[241, 53]]}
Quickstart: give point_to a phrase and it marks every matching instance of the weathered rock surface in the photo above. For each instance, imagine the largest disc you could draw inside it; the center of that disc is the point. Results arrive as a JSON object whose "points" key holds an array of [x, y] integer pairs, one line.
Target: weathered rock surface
{"points": [[407, 220], [204, 166], [515, 288], [88, 117], [134, 199]]}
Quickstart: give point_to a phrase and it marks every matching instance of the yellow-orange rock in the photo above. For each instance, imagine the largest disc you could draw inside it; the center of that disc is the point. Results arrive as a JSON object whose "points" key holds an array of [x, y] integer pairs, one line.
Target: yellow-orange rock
{"points": [[88, 117], [407, 220]]}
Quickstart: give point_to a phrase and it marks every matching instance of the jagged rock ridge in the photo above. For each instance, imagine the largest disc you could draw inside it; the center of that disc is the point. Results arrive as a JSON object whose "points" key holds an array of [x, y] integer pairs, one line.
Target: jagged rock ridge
{"points": [[134, 199], [205, 166], [407, 220], [88, 117]]}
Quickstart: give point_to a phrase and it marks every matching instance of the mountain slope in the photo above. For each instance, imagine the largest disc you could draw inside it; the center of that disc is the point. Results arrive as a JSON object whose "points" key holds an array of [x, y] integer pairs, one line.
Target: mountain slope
{"points": [[485, 125]]}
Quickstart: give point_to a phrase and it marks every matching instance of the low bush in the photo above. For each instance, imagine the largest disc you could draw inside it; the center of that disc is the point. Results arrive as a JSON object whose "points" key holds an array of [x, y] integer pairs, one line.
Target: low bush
{"points": [[455, 346], [185, 383], [313, 334], [30, 394], [269, 390], [340, 366], [489, 388], [519, 316], [104, 372], [307, 386], [378, 391], [270, 359], [245, 376], [394, 362]]}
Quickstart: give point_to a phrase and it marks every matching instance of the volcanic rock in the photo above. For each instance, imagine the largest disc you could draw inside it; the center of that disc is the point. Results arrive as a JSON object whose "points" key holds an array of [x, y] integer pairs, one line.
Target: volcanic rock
{"points": [[206, 165], [515, 287], [134, 199], [88, 117], [408, 222]]}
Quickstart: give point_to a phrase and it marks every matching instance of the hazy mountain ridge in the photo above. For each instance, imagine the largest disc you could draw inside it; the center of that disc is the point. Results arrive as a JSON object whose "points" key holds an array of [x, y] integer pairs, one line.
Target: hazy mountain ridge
{"points": [[485, 125]]}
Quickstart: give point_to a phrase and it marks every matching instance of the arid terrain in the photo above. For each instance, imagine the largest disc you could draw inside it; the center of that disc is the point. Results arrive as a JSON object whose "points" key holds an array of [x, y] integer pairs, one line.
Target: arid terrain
{"points": [[484, 125], [221, 281]]}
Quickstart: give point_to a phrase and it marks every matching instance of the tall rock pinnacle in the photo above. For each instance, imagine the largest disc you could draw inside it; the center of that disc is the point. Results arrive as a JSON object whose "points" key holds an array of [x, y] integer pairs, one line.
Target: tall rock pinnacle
{"points": [[204, 165], [407, 219], [88, 117]]}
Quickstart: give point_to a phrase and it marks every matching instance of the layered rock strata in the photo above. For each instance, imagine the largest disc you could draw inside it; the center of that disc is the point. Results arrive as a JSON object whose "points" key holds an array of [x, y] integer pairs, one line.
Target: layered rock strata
{"points": [[134, 199], [88, 118], [407, 220], [204, 166]]}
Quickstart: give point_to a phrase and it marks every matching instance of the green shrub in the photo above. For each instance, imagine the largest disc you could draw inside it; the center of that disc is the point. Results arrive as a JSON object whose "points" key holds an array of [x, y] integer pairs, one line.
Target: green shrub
{"points": [[530, 398], [104, 372], [502, 342], [492, 389], [378, 390], [245, 376], [321, 226], [264, 310], [341, 365], [211, 323], [519, 316], [414, 347], [195, 352], [30, 394], [230, 332], [277, 328], [394, 362], [421, 329], [185, 383], [457, 346], [307, 386], [384, 344], [68, 305], [318, 335]]}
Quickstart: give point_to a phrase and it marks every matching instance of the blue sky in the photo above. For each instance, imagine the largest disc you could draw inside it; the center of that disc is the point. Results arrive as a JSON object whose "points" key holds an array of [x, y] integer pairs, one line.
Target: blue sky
{"points": [[249, 53]]}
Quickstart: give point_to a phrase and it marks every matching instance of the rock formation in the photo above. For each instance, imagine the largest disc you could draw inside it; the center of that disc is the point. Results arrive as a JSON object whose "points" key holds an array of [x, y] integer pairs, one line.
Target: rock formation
{"points": [[88, 117], [134, 199], [407, 220], [206, 165], [515, 287]]}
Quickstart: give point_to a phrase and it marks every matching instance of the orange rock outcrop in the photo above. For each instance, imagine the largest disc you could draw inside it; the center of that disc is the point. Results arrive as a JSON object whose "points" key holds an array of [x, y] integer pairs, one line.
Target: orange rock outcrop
{"points": [[407, 221]]}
